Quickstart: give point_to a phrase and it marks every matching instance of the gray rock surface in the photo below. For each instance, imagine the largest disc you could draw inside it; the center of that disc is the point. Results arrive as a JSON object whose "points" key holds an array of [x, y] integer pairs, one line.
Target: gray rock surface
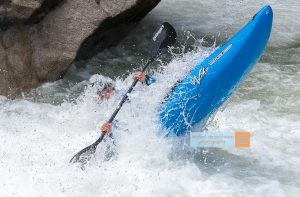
{"points": [[24, 11], [39, 45]]}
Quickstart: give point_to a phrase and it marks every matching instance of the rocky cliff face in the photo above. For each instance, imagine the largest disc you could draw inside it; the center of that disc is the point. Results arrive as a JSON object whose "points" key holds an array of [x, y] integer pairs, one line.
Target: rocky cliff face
{"points": [[41, 38]]}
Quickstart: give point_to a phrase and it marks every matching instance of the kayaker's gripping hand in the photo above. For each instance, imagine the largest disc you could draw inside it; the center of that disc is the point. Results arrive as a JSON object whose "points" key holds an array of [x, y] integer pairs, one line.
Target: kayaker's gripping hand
{"points": [[140, 76], [106, 128]]}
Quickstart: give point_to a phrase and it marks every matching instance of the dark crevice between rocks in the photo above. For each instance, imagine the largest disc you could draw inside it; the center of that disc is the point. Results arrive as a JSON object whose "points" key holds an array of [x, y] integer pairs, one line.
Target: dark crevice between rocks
{"points": [[37, 16], [112, 30], [40, 13], [1, 2]]}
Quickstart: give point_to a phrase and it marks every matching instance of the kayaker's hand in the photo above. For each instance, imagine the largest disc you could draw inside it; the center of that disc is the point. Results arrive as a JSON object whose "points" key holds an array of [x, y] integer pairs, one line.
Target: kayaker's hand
{"points": [[140, 76], [106, 128]]}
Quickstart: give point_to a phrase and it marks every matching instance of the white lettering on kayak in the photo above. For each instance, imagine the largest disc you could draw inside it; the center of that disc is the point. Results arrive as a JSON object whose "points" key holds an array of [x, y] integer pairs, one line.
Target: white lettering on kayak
{"points": [[220, 55], [197, 79]]}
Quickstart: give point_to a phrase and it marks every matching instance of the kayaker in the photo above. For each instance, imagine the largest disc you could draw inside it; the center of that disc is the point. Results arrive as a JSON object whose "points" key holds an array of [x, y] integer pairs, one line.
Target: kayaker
{"points": [[109, 89]]}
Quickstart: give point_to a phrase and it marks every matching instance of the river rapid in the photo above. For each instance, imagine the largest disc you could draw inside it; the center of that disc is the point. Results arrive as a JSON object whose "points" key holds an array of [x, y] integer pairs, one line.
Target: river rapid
{"points": [[40, 132]]}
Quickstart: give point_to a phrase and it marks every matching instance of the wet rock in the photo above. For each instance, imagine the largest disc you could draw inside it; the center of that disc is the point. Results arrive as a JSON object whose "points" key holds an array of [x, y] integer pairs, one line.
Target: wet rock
{"points": [[24, 11], [39, 45]]}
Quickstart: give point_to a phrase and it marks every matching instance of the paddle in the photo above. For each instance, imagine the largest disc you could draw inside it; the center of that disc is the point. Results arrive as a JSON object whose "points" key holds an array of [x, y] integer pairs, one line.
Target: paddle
{"points": [[164, 37]]}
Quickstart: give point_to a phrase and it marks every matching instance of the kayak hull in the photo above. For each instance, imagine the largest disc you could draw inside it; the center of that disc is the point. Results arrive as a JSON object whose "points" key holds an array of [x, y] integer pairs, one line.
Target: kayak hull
{"points": [[212, 81]]}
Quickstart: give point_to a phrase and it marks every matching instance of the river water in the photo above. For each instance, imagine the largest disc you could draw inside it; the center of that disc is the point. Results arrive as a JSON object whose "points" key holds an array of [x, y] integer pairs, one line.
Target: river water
{"points": [[42, 131]]}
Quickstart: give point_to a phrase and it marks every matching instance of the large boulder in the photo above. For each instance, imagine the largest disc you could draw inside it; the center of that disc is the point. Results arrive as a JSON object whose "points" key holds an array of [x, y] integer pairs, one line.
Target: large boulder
{"points": [[39, 45]]}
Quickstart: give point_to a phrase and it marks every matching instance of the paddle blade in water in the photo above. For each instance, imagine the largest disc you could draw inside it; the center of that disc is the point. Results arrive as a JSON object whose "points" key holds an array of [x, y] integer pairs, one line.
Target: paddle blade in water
{"points": [[84, 155]]}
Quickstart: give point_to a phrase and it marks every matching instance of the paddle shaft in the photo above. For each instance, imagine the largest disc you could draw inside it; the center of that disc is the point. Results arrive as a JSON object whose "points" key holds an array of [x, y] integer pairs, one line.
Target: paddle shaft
{"points": [[125, 97]]}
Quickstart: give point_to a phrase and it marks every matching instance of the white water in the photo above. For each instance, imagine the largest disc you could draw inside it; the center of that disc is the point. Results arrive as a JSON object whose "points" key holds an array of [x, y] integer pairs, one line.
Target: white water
{"points": [[39, 135]]}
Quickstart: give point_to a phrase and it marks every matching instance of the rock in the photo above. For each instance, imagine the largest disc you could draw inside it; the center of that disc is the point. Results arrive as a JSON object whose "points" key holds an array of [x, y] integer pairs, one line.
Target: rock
{"points": [[41, 47], [24, 11], [16, 71]]}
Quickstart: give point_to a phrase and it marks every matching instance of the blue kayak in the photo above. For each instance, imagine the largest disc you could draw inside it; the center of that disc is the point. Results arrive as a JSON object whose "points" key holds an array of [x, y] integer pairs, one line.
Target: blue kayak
{"points": [[212, 81]]}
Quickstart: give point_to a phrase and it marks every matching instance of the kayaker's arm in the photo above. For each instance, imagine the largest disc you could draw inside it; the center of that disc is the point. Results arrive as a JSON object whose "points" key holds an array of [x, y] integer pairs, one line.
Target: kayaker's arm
{"points": [[143, 78]]}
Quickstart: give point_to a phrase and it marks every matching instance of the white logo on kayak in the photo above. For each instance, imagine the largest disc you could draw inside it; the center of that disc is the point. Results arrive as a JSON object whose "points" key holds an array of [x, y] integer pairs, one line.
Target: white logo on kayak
{"points": [[197, 79], [157, 33], [220, 55]]}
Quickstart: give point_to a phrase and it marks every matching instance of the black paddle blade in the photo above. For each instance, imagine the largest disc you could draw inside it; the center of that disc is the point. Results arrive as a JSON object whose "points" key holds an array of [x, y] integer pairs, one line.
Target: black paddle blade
{"points": [[84, 155], [164, 37], [87, 153]]}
